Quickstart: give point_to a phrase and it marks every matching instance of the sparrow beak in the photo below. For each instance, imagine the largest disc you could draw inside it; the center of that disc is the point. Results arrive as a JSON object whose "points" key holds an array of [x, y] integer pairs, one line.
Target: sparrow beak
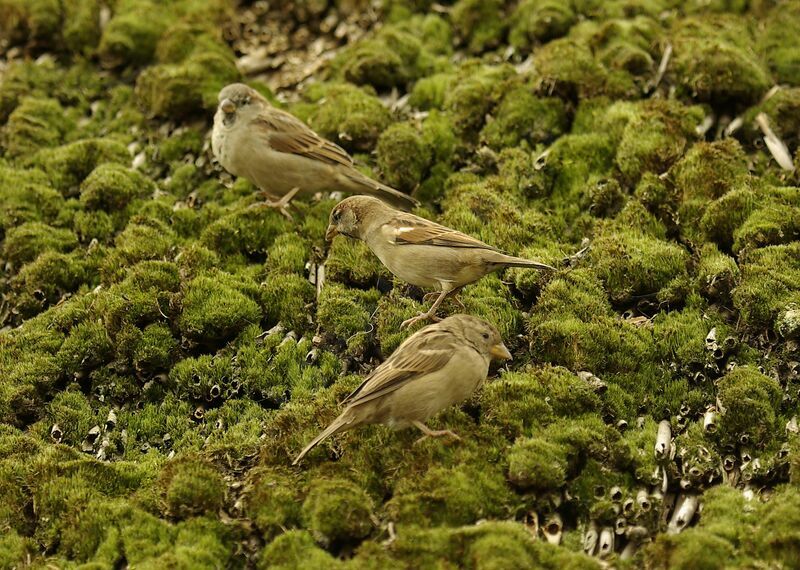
{"points": [[227, 106], [331, 233], [500, 352]]}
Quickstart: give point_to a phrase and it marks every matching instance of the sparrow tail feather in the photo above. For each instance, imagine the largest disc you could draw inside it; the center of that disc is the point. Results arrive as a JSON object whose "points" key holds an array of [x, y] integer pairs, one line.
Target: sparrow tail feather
{"points": [[342, 423], [365, 185], [511, 261]]}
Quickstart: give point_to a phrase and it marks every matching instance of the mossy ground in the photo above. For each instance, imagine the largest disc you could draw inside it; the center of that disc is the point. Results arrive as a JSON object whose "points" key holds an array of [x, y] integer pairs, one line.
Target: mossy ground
{"points": [[165, 353]]}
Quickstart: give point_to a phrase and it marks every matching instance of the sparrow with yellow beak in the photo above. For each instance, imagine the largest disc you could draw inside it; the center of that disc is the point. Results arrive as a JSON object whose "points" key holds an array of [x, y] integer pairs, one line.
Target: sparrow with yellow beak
{"points": [[438, 366], [282, 156], [417, 250]]}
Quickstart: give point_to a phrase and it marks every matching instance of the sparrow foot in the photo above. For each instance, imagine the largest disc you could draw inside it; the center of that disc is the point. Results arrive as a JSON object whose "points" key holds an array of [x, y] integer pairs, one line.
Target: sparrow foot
{"points": [[429, 316], [428, 432], [279, 205]]}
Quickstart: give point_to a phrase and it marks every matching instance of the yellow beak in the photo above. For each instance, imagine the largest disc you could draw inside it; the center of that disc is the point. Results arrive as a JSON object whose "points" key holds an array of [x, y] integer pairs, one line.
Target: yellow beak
{"points": [[331, 233], [500, 352], [227, 106]]}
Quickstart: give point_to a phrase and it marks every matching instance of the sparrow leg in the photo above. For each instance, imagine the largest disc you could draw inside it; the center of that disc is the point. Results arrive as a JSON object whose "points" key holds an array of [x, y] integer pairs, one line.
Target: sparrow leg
{"points": [[430, 315], [279, 205], [428, 432]]}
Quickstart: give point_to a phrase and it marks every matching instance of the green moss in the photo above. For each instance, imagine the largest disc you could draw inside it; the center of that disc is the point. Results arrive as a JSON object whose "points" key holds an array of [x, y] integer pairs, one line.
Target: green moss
{"points": [[186, 88], [655, 138], [155, 350], [774, 43], [538, 21], [430, 92], [274, 502], [191, 486], [346, 314], [750, 401], [129, 39], [568, 68], [215, 309], [350, 116], [336, 510], [288, 299], [34, 124], [249, 232], [397, 54], [403, 156], [768, 284], [67, 166], [451, 496], [632, 264], [111, 187], [477, 90], [716, 63], [293, 549], [479, 25], [521, 116], [25, 242], [31, 22]]}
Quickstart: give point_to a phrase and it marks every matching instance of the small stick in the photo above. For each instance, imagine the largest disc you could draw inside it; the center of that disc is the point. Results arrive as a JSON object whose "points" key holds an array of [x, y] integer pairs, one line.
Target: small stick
{"points": [[775, 145]]}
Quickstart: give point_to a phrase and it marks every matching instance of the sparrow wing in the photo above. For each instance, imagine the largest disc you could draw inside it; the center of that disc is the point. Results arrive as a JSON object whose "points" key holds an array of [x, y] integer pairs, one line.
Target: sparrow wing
{"points": [[286, 133], [423, 353], [408, 229]]}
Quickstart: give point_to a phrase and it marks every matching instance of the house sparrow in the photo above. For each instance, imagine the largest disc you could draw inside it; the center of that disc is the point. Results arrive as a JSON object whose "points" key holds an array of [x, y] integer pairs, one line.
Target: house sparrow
{"points": [[417, 250], [282, 156], [438, 366]]}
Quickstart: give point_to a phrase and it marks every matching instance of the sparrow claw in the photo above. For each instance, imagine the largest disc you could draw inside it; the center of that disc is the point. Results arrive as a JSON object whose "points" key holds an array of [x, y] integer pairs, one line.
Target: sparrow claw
{"points": [[437, 433], [420, 317], [279, 205]]}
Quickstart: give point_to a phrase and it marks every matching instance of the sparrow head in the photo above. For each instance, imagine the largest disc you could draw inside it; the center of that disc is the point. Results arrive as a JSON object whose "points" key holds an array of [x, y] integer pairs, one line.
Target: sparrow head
{"points": [[238, 97], [348, 216], [481, 335]]}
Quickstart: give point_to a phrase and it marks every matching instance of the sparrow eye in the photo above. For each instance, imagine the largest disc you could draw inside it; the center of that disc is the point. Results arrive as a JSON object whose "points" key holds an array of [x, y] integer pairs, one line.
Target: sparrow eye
{"points": [[336, 215], [485, 336]]}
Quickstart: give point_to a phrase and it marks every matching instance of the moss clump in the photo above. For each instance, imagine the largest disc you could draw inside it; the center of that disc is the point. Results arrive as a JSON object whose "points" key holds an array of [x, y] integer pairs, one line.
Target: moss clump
{"points": [[352, 262], [337, 510], [46, 280], [479, 25], [294, 549], [750, 401], [521, 116], [430, 92], [538, 21], [632, 264], [768, 284], [274, 502], [247, 232], [398, 53], [774, 43], [568, 68], [403, 156], [67, 166], [347, 314], [111, 187], [190, 487], [186, 88], [155, 350], [450, 496], [25, 242], [129, 39], [348, 115], [287, 299], [215, 308], [655, 137], [476, 92], [34, 124], [716, 63]]}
